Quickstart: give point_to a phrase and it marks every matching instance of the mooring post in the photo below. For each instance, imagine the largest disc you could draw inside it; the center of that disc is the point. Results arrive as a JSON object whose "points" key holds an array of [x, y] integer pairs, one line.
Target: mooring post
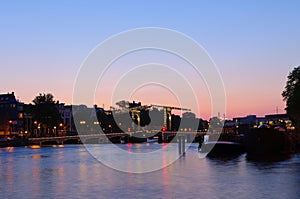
{"points": [[179, 145], [183, 145]]}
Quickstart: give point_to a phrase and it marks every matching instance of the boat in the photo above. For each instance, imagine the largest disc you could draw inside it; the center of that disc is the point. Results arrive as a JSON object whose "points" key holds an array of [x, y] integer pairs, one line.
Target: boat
{"points": [[221, 148], [269, 143]]}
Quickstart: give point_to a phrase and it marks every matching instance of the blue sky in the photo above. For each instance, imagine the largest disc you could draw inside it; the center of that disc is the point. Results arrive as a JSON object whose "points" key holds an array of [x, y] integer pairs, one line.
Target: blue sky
{"points": [[254, 43]]}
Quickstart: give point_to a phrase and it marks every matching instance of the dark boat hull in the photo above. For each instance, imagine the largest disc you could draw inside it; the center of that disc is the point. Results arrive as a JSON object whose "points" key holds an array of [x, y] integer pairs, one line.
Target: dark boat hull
{"points": [[269, 145], [216, 149]]}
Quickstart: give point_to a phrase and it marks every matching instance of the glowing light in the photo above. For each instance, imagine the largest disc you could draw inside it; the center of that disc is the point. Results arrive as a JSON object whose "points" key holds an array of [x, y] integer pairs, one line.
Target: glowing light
{"points": [[34, 146], [129, 145], [36, 157], [164, 145], [271, 122], [10, 149], [292, 128]]}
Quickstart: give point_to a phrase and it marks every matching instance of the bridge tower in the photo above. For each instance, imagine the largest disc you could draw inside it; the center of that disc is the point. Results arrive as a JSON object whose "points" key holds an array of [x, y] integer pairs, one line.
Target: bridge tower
{"points": [[168, 114]]}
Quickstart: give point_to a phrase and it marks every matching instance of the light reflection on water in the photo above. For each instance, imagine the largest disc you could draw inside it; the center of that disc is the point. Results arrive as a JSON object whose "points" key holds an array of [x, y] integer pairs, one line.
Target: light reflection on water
{"points": [[71, 172]]}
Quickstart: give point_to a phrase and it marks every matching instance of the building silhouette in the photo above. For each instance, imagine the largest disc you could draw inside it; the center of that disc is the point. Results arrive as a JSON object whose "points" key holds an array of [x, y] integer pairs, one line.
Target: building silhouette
{"points": [[11, 115]]}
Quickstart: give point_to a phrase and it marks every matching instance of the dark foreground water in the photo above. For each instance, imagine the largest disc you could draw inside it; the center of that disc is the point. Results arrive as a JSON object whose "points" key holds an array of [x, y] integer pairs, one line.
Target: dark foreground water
{"points": [[71, 172]]}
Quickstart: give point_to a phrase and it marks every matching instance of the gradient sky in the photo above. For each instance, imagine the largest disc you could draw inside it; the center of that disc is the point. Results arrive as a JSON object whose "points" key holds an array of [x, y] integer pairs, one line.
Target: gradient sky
{"points": [[255, 44]]}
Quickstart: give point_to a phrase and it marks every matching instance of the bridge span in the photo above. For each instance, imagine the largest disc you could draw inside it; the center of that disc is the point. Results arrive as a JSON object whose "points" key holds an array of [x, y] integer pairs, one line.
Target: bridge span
{"points": [[108, 138]]}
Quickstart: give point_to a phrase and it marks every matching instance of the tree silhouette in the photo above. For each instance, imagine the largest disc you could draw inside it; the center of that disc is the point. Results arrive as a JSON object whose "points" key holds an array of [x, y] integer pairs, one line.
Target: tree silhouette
{"points": [[45, 112], [291, 95]]}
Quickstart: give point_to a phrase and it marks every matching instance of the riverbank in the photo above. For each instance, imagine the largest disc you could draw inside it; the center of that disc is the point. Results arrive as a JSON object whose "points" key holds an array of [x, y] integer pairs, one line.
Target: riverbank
{"points": [[12, 141], [260, 144]]}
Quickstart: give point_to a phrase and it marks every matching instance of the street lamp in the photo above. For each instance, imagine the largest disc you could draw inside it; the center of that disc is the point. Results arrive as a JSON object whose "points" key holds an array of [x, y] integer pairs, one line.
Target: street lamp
{"points": [[39, 130], [10, 126], [61, 128], [34, 129], [170, 121], [54, 130]]}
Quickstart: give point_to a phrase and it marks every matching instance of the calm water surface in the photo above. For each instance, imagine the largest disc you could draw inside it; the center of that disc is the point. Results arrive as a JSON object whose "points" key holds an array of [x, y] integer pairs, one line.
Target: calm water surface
{"points": [[71, 172]]}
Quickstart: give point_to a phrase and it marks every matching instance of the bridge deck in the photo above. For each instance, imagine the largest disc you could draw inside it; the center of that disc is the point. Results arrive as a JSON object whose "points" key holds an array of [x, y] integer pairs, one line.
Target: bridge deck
{"points": [[62, 139]]}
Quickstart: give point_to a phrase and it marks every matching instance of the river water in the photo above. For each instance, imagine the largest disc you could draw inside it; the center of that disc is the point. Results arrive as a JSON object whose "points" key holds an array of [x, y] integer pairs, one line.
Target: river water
{"points": [[70, 171]]}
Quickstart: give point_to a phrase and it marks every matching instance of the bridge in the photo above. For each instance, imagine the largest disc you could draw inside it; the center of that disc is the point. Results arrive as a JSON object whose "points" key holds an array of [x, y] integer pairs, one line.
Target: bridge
{"points": [[106, 138], [76, 139]]}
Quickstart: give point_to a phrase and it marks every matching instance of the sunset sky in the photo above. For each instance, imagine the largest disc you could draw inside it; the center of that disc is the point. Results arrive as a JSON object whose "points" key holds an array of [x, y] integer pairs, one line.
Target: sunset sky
{"points": [[254, 45]]}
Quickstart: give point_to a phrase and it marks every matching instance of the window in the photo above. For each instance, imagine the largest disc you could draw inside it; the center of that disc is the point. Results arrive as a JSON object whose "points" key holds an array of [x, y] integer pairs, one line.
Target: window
{"points": [[20, 115]]}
